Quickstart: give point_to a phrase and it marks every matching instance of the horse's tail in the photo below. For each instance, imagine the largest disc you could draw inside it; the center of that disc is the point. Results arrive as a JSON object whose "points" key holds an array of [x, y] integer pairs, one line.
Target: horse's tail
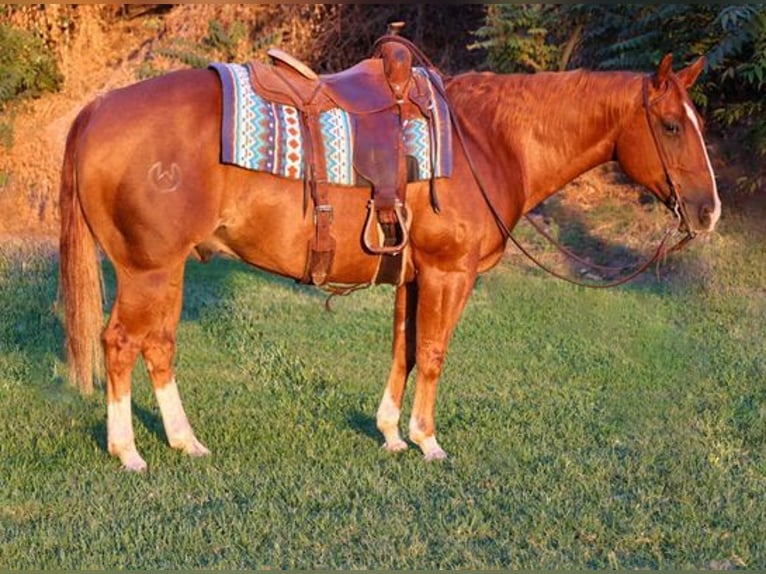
{"points": [[80, 278]]}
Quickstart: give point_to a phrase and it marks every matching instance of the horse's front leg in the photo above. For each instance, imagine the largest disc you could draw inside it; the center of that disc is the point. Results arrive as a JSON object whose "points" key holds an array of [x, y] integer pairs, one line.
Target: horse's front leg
{"points": [[390, 407], [441, 299]]}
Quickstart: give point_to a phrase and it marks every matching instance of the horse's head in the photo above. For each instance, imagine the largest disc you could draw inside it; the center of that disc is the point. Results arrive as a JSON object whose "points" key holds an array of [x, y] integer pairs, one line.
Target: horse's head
{"points": [[661, 147]]}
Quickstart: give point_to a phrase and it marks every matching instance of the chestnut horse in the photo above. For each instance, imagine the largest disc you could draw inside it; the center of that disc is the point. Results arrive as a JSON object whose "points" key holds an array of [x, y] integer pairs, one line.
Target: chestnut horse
{"points": [[142, 179]]}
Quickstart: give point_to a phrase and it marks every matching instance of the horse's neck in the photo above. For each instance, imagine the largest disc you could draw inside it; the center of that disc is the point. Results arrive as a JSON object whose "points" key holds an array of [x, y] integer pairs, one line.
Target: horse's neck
{"points": [[560, 125]]}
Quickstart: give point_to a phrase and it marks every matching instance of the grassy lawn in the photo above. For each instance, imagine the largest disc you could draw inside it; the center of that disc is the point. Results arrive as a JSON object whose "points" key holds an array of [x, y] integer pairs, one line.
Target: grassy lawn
{"points": [[619, 428]]}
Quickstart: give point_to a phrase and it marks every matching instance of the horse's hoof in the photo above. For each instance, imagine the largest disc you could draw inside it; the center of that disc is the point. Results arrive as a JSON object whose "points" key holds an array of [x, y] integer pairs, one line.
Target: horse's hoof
{"points": [[129, 457], [430, 448], [134, 464], [195, 448], [435, 454], [395, 446]]}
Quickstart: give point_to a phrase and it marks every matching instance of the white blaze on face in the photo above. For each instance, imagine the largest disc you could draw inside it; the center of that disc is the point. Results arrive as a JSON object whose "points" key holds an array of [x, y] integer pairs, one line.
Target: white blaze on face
{"points": [[693, 119]]}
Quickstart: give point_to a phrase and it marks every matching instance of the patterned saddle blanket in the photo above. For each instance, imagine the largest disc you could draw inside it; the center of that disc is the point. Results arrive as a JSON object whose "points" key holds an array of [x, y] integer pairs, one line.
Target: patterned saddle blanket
{"points": [[266, 136]]}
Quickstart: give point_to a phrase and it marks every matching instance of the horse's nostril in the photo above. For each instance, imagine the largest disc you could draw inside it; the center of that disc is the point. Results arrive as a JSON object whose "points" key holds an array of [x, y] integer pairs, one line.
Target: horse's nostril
{"points": [[706, 215]]}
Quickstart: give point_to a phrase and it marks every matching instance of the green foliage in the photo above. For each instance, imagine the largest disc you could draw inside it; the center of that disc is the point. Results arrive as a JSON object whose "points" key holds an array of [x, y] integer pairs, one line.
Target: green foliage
{"points": [[27, 68], [223, 40], [518, 37], [634, 36], [220, 44], [186, 53], [740, 52], [739, 60]]}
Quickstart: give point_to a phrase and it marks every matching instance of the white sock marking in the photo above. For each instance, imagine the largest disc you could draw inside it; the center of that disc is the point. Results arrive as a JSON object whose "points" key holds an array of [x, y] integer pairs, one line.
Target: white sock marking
{"points": [[388, 422], [388, 412], [119, 426], [174, 419]]}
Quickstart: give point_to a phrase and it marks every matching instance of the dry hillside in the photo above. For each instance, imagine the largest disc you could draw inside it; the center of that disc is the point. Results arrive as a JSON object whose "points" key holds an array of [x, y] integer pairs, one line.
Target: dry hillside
{"points": [[102, 47]]}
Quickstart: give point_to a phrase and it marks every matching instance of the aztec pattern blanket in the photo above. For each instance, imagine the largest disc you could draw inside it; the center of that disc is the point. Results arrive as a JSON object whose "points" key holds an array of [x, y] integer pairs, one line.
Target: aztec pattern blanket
{"points": [[264, 136]]}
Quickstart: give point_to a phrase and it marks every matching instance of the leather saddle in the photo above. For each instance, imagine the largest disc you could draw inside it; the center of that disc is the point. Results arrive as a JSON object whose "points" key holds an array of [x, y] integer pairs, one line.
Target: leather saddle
{"points": [[380, 94], [370, 86]]}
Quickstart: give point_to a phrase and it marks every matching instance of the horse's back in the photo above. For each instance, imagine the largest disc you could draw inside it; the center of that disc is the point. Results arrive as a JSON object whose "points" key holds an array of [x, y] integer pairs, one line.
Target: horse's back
{"points": [[148, 169]]}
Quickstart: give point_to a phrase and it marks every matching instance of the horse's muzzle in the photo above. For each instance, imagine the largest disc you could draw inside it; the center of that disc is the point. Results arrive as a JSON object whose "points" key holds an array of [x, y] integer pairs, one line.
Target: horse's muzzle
{"points": [[708, 216]]}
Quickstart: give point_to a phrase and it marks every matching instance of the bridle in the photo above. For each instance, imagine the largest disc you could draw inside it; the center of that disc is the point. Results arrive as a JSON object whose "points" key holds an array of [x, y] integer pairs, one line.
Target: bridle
{"points": [[673, 201]]}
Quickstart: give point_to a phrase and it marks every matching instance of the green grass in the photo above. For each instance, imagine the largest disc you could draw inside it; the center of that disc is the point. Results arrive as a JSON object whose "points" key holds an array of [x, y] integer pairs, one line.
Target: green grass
{"points": [[586, 429]]}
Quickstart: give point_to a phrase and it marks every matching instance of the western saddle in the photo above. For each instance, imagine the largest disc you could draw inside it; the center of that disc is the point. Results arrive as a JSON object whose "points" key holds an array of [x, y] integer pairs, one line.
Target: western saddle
{"points": [[380, 94]]}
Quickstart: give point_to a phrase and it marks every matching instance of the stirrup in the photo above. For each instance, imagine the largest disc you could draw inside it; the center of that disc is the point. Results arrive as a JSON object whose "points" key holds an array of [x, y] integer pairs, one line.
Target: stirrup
{"points": [[400, 212]]}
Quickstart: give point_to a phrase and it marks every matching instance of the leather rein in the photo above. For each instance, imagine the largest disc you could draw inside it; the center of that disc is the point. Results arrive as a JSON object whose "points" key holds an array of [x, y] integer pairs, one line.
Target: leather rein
{"points": [[673, 202]]}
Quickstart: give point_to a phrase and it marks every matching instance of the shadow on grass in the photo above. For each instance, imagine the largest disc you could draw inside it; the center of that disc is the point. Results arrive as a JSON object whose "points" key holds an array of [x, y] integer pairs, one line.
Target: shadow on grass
{"points": [[677, 271], [150, 420], [98, 433], [209, 285], [363, 424]]}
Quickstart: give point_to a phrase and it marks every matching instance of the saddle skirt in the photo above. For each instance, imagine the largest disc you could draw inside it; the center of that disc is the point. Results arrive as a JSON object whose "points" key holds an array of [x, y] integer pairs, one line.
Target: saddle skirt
{"points": [[263, 135]]}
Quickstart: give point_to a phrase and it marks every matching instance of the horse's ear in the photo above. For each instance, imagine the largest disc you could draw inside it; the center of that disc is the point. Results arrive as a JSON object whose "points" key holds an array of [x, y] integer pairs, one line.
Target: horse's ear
{"points": [[663, 71], [690, 73]]}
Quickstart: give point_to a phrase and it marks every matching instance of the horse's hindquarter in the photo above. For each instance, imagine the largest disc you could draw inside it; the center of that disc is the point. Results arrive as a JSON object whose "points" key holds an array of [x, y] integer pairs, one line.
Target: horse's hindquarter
{"points": [[153, 187], [149, 178]]}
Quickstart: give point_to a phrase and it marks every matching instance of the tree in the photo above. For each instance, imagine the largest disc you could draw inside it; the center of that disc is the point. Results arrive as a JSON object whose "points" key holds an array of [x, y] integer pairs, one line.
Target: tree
{"points": [[534, 37]]}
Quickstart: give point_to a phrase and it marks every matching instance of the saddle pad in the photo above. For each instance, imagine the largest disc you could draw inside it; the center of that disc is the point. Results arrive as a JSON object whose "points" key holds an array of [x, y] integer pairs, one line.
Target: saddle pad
{"points": [[265, 136]]}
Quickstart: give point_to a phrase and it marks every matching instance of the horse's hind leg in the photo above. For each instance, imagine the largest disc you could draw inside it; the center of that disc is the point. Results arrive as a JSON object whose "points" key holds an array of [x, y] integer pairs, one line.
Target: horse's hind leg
{"points": [[390, 407], [144, 320], [122, 344], [158, 350]]}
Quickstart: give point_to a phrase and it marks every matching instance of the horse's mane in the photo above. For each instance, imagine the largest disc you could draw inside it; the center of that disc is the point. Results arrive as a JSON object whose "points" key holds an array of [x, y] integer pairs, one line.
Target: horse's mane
{"points": [[534, 123], [546, 99]]}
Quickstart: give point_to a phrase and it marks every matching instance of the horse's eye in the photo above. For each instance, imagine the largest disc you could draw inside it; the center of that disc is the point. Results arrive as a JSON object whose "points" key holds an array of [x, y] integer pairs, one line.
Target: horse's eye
{"points": [[671, 128]]}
